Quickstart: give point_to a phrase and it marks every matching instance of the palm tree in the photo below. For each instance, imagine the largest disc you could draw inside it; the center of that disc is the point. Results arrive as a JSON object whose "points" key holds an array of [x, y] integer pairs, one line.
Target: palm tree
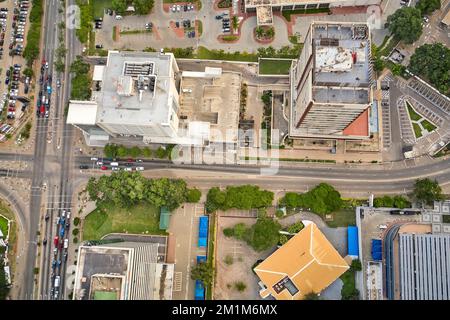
{"points": [[270, 32], [235, 23], [259, 32]]}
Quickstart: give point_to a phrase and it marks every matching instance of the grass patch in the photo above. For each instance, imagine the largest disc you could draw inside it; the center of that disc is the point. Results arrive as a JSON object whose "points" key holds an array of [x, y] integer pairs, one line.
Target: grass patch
{"points": [[106, 219], [198, 3], [349, 287], [210, 254], [413, 114], [134, 32], [446, 218], [342, 218], [293, 39], [204, 53], [199, 28], [267, 66], [114, 33], [428, 125], [230, 38], [287, 14], [4, 227], [99, 6], [417, 130]]}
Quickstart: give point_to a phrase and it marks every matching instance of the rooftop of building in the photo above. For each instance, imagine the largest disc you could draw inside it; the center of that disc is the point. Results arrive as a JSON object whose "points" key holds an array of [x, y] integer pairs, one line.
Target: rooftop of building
{"points": [[136, 88], [116, 266], [308, 262], [341, 55], [210, 104], [264, 15]]}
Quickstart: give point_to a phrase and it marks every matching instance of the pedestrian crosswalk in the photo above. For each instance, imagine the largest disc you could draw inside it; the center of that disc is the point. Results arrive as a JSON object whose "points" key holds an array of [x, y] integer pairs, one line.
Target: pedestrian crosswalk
{"points": [[177, 281]]}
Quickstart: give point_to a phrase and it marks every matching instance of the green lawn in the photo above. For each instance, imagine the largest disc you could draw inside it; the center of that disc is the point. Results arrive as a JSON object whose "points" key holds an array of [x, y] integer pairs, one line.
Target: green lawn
{"points": [[269, 66], [348, 278], [428, 125], [106, 219], [99, 6], [287, 14], [413, 114], [200, 28], [417, 130], [4, 226], [210, 257], [204, 53], [342, 218]]}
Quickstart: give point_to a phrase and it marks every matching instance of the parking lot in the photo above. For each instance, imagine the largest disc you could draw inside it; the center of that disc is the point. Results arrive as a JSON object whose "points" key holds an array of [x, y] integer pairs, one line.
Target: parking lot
{"points": [[183, 228], [385, 113], [431, 95], [14, 86], [238, 266], [407, 132]]}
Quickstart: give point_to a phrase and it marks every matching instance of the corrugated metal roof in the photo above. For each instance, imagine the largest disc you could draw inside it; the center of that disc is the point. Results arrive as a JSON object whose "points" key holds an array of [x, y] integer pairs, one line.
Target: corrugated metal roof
{"points": [[424, 266], [352, 241]]}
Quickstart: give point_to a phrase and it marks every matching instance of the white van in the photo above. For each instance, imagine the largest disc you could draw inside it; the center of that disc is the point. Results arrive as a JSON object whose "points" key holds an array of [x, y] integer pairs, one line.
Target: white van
{"points": [[114, 164], [57, 279]]}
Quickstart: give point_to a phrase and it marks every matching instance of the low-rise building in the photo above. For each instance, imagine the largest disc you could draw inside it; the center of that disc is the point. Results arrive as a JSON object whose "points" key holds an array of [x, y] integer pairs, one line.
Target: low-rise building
{"points": [[307, 263], [143, 96], [122, 271]]}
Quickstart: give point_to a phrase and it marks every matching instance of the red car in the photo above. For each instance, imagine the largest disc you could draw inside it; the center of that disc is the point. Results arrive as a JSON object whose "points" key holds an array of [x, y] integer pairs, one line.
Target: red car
{"points": [[55, 241], [104, 168], [130, 160]]}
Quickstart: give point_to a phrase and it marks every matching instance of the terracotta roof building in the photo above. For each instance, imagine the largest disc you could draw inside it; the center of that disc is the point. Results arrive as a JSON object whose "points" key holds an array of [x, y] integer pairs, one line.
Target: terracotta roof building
{"points": [[306, 263]]}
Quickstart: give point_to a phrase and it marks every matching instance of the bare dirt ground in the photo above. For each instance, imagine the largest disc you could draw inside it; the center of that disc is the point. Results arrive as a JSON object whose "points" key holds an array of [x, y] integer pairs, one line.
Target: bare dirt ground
{"points": [[240, 270]]}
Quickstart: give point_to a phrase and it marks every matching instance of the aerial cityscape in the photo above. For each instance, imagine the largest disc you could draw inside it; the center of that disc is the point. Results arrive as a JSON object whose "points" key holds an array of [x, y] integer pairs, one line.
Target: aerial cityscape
{"points": [[235, 150]]}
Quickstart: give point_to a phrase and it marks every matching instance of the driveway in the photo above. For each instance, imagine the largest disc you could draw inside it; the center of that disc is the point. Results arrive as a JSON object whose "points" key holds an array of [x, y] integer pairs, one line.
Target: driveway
{"points": [[336, 236]]}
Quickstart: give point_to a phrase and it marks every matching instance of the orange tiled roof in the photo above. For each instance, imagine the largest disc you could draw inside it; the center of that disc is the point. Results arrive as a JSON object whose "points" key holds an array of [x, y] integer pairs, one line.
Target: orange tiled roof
{"points": [[308, 259]]}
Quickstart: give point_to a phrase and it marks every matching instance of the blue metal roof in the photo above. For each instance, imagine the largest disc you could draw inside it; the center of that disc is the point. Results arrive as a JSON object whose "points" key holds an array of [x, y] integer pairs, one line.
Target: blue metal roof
{"points": [[376, 250], [352, 240]]}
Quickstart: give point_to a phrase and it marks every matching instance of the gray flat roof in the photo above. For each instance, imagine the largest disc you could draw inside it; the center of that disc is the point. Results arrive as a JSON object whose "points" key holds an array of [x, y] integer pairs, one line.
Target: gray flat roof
{"points": [[151, 108], [335, 45], [424, 266]]}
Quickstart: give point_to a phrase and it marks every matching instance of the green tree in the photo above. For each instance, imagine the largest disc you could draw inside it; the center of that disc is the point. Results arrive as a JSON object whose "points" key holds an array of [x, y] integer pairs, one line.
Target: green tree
{"points": [[235, 22], [295, 228], [214, 199], [427, 191], [119, 6], [259, 32], [406, 24], [240, 286], [428, 6], [432, 61], [263, 234], [110, 150], [356, 265], [134, 152], [122, 151], [283, 239], [194, 195], [147, 152], [204, 272], [143, 7]]}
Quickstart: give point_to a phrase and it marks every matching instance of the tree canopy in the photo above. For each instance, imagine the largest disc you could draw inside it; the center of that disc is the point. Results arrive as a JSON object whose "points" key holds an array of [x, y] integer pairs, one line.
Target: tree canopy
{"points": [[124, 188], [322, 199], [143, 6], [203, 271], [432, 61], [240, 197], [427, 191], [262, 235], [428, 6], [391, 202], [406, 24], [119, 6]]}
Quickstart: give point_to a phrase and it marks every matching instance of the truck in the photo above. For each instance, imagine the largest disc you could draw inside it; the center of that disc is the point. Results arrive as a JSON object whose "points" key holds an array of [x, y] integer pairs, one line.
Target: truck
{"points": [[203, 231], [199, 290]]}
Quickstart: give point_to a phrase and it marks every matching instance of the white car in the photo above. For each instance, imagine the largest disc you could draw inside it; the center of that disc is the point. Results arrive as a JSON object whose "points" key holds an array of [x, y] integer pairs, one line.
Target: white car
{"points": [[68, 215], [128, 169], [174, 9], [66, 243], [382, 226], [99, 163], [139, 168], [94, 159], [178, 8], [63, 214]]}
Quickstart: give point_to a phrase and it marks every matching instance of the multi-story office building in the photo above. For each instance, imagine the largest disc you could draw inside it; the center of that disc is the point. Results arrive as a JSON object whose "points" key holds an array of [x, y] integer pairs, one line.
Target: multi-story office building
{"points": [[332, 83]]}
